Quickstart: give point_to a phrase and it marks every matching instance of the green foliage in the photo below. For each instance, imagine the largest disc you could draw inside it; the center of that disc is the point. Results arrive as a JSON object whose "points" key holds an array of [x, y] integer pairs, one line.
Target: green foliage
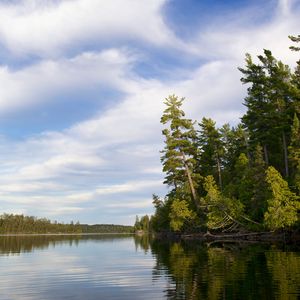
{"points": [[257, 202], [180, 213], [222, 211], [282, 204], [160, 220], [237, 158], [106, 228], [270, 107], [239, 186], [179, 139], [142, 224], [294, 152], [235, 142], [211, 150], [178, 157], [295, 39], [10, 223]]}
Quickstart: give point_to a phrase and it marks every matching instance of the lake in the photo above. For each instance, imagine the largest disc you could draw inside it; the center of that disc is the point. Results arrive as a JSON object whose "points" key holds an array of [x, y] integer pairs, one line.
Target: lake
{"points": [[133, 267]]}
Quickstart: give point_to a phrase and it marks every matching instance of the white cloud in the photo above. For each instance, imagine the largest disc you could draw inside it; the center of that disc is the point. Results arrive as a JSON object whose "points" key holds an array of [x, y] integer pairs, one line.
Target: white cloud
{"points": [[128, 187], [137, 204], [46, 80], [48, 28], [231, 38]]}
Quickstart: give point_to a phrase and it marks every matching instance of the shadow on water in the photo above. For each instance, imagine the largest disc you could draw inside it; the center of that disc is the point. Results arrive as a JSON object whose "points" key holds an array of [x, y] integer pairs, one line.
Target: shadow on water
{"points": [[198, 270]]}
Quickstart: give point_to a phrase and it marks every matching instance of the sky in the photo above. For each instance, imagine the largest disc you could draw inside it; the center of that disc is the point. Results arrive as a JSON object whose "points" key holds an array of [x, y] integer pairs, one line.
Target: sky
{"points": [[82, 86]]}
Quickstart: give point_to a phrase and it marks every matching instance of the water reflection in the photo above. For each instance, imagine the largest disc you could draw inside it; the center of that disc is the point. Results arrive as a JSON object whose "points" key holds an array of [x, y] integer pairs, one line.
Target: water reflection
{"points": [[16, 244], [139, 267], [227, 271]]}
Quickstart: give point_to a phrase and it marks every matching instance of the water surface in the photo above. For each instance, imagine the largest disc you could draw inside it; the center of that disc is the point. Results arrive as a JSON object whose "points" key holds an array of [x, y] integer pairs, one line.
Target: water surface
{"points": [[130, 267]]}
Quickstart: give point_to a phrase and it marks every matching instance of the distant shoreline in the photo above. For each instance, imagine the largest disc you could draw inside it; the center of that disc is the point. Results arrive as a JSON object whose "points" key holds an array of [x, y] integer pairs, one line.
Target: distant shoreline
{"points": [[62, 234]]}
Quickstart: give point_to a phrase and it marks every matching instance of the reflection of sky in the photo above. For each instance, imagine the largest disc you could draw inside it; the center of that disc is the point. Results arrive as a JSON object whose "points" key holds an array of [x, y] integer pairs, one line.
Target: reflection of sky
{"points": [[104, 269], [82, 89]]}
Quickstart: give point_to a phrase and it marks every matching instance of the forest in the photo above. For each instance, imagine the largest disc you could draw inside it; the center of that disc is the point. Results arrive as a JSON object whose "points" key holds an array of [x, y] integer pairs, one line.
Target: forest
{"points": [[10, 223], [235, 178], [106, 228], [18, 224]]}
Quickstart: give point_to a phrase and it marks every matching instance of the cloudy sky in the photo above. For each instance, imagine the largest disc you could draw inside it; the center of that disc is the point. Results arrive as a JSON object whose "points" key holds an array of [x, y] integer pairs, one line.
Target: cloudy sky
{"points": [[82, 84]]}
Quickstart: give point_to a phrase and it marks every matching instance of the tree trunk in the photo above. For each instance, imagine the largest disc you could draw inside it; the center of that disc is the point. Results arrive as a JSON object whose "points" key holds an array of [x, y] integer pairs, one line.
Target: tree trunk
{"points": [[219, 173], [286, 166], [188, 173], [266, 155]]}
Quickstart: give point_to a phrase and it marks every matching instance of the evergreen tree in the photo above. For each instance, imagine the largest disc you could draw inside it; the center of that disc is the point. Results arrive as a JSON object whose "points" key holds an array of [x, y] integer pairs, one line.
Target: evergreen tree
{"points": [[179, 153], [295, 39], [222, 212], [160, 221], [296, 76], [270, 107], [282, 204], [256, 120], [294, 152], [235, 142], [256, 205], [240, 186], [145, 223], [211, 150], [137, 224], [179, 214]]}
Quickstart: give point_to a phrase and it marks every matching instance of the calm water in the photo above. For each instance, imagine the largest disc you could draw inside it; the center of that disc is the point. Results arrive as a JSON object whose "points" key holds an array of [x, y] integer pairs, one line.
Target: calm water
{"points": [[127, 267]]}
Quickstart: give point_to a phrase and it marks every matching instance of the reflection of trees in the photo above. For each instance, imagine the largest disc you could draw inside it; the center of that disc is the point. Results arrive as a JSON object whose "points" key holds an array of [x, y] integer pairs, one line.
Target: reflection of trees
{"points": [[19, 244], [285, 268], [143, 241], [231, 272], [179, 263], [195, 271], [12, 245]]}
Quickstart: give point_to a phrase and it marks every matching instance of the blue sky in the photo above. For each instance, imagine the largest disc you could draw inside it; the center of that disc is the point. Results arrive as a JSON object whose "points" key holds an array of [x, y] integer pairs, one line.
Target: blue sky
{"points": [[82, 90]]}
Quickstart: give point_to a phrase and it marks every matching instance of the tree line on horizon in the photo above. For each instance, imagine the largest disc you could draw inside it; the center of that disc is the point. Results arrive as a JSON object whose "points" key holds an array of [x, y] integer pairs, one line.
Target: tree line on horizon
{"points": [[10, 223], [18, 224], [243, 177], [106, 228]]}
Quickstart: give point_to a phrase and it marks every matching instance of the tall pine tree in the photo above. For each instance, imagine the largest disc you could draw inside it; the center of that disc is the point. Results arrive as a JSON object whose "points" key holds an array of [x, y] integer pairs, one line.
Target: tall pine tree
{"points": [[211, 150], [178, 157], [270, 108], [294, 153]]}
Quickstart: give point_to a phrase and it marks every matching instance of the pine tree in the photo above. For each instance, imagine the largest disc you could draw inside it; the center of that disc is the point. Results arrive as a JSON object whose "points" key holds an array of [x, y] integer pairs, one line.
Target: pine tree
{"points": [[211, 150], [282, 204], [270, 106], [160, 221], [137, 224], [256, 205], [294, 152], [235, 142], [179, 214], [295, 39], [179, 153], [240, 186], [296, 76], [222, 213], [256, 119]]}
